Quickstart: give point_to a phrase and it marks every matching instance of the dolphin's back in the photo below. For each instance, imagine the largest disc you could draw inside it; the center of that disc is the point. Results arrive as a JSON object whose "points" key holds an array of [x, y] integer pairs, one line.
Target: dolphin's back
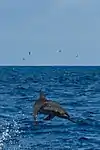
{"points": [[52, 107]]}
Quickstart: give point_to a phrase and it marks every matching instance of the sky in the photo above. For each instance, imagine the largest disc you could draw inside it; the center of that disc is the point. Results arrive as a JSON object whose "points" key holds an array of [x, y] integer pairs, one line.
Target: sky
{"points": [[44, 27]]}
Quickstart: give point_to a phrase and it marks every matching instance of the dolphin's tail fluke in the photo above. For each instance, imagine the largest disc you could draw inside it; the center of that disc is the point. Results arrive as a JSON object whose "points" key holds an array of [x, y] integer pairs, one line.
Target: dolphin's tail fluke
{"points": [[71, 120], [66, 116]]}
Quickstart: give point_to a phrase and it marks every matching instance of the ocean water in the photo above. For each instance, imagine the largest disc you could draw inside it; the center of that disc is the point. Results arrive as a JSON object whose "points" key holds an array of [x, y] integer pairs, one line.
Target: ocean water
{"points": [[77, 89]]}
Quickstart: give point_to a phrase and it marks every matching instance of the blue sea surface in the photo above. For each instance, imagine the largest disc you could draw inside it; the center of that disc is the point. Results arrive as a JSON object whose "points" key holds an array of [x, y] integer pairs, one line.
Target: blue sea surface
{"points": [[77, 89]]}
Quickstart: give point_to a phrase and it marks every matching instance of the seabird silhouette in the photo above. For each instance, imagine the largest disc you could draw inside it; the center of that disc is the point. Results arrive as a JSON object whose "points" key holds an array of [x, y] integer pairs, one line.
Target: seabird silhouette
{"points": [[29, 53]]}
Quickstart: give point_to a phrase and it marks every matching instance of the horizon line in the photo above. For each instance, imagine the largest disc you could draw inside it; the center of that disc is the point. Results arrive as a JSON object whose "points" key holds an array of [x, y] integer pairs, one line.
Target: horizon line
{"points": [[43, 65]]}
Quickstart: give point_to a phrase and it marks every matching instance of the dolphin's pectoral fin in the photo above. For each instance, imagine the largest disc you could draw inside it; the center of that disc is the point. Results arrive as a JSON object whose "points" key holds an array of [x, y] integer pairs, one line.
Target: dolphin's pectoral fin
{"points": [[49, 117]]}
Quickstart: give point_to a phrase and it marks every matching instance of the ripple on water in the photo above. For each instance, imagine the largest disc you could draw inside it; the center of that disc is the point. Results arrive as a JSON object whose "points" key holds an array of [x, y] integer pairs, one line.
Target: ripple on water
{"points": [[77, 89]]}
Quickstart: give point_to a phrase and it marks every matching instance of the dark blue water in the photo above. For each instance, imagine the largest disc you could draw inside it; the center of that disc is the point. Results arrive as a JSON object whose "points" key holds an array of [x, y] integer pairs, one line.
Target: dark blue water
{"points": [[77, 89]]}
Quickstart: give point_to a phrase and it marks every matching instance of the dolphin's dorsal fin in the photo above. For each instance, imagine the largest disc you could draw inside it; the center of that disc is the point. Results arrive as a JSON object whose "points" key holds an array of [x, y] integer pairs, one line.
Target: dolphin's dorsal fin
{"points": [[42, 96]]}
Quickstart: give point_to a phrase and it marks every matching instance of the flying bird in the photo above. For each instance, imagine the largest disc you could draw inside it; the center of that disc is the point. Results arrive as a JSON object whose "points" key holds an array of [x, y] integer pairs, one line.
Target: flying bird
{"points": [[23, 58], [77, 55], [29, 53], [59, 51]]}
